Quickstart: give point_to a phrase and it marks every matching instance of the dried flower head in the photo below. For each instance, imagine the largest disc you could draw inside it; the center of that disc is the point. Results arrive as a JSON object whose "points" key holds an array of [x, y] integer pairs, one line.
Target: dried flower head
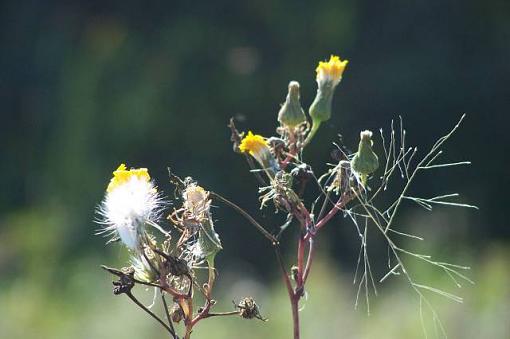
{"points": [[196, 200], [176, 313], [342, 178], [131, 201], [248, 309]]}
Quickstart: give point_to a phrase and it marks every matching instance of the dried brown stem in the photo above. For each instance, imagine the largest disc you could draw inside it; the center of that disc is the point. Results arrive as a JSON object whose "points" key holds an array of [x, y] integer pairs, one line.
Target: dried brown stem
{"points": [[139, 304], [248, 217]]}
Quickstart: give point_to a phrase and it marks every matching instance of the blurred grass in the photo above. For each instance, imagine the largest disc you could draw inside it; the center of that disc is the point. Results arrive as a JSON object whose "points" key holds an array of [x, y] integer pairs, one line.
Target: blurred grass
{"points": [[75, 301]]}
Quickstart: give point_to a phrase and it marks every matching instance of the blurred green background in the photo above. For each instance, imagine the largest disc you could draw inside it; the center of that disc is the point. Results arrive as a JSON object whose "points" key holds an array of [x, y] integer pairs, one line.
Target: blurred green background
{"points": [[85, 86]]}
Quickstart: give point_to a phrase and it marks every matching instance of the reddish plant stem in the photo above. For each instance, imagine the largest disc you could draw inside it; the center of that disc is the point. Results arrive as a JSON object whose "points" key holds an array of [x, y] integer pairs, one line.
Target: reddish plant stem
{"points": [[285, 275], [340, 204], [204, 313], [303, 269], [292, 152], [300, 261], [294, 299], [309, 260]]}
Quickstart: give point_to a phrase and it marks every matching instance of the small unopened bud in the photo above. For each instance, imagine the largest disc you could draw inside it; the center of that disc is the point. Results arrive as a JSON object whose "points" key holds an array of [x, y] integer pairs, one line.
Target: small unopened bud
{"points": [[365, 161], [176, 313], [291, 113]]}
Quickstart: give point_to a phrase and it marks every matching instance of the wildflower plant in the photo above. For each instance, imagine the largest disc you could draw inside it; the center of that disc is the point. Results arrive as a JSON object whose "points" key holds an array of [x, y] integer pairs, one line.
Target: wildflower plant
{"points": [[353, 186], [130, 213]]}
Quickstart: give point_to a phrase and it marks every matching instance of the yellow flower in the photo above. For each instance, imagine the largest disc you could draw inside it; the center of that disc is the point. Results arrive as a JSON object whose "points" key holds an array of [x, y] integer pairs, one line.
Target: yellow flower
{"points": [[332, 70], [121, 175], [254, 144], [258, 148]]}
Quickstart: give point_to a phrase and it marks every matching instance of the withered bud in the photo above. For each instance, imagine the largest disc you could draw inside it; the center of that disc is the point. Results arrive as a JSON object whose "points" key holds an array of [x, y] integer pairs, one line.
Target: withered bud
{"points": [[175, 266], [294, 271], [342, 181], [277, 145], [176, 313], [248, 309], [126, 281], [302, 172]]}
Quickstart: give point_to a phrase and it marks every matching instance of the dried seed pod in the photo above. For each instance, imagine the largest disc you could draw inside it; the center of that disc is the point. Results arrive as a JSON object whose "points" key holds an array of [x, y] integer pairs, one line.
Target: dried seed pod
{"points": [[248, 309], [176, 313], [174, 265], [342, 180], [126, 281]]}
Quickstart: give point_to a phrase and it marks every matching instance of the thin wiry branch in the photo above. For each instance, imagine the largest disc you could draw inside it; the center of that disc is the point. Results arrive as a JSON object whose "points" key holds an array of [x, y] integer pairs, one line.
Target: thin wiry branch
{"points": [[400, 159]]}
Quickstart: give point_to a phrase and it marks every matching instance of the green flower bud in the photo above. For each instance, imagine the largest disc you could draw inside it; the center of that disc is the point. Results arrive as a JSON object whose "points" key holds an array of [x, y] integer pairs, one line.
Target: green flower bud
{"points": [[365, 161], [320, 110], [291, 113], [209, 242], [329, 75]]}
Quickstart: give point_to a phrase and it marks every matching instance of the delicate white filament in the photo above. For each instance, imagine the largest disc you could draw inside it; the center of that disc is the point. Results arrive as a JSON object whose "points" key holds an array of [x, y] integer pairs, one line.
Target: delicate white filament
{"points": [[127, 208]]}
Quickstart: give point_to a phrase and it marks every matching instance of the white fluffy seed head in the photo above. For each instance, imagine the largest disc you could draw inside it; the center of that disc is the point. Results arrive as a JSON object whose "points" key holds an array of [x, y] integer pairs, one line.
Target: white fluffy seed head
{"points": [[129, 204]]}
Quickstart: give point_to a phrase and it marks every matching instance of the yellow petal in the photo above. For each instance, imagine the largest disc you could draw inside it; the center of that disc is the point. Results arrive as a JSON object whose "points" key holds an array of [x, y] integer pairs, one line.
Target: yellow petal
{"points": [[253, 143], [332, 69], [121, 175]]}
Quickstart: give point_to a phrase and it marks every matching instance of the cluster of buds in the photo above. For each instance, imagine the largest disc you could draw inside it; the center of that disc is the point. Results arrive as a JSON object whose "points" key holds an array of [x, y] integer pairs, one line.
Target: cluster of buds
{"points": [[287, 175], [276, 155]]}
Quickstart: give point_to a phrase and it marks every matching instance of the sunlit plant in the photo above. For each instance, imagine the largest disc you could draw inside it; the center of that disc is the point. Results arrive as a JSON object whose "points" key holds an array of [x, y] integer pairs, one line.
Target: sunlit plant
{"points": [[169, 258]]}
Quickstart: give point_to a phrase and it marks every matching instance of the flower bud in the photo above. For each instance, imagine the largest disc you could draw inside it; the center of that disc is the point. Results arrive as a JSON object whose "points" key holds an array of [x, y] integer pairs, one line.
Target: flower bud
{"points": [[209, 243], [329, 75], [291, 113], [365, 161]]}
